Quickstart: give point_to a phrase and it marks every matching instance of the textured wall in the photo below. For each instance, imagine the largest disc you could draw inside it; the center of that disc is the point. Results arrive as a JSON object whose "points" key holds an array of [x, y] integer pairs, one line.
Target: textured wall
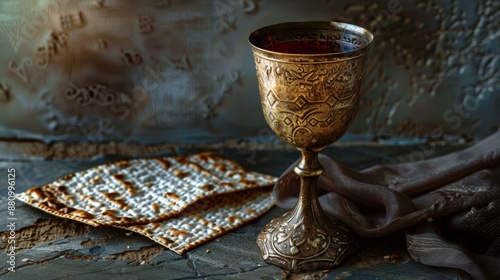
{"points": [[182, 71]]}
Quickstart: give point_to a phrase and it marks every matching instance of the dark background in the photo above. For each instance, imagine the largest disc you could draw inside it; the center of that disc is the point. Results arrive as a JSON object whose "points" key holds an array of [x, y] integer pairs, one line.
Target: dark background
{"points": [[182, 71]]}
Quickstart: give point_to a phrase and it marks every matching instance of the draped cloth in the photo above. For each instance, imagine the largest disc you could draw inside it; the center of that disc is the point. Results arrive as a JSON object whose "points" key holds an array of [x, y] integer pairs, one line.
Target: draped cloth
{"points": [[443, 204]]}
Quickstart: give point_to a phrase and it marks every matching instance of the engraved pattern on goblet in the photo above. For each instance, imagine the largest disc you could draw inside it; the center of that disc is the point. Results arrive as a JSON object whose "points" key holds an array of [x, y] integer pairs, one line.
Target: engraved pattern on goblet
{"points": [[309, 100], [309, 105]]}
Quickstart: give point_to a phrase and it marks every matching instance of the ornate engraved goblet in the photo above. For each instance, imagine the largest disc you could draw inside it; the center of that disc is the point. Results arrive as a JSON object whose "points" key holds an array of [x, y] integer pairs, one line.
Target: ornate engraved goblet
{"points": [[309, 76]]}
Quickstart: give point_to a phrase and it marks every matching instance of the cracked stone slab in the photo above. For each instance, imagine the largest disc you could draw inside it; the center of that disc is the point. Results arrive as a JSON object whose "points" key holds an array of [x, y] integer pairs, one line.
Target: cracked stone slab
{"points": [[63, 268], [25, 214]]}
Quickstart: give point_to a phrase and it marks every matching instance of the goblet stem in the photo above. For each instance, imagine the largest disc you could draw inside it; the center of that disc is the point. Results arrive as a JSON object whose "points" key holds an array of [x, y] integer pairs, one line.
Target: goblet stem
{"points": [[305, 238], [309, 169]]}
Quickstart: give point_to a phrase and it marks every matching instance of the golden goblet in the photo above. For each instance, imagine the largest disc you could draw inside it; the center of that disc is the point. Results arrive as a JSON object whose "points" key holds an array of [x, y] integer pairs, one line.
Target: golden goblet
{"points": [[309, 76]]}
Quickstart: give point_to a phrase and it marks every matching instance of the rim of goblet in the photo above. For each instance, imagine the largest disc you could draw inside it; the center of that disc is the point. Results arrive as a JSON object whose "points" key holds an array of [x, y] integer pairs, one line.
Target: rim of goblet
{"points": [[320, 25]]}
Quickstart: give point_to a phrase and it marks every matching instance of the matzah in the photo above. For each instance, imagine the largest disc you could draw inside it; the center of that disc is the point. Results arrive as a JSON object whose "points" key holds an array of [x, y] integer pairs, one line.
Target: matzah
{"points": [[207, 219], [146, 196], [142, 190]]}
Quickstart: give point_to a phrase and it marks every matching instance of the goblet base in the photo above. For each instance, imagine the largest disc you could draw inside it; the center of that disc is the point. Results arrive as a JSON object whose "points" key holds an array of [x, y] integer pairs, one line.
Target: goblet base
{"points": [[306, 239]]}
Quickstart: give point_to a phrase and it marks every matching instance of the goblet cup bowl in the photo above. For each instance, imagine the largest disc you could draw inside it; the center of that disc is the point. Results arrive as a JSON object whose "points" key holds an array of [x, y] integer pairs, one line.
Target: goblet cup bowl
{"points": [[309, 76]]}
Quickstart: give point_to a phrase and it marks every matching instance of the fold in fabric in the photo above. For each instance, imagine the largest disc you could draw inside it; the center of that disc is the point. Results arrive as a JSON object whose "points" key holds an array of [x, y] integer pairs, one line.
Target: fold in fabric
{"points": [[384, 199], [427, 246]]}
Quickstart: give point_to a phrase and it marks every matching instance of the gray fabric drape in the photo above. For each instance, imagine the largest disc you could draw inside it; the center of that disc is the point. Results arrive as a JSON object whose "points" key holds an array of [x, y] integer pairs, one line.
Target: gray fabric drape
{"points": [[461, 189]]}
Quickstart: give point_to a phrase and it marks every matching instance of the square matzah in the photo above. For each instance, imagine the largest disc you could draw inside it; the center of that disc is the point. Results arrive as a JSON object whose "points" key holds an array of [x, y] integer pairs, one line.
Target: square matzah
{"points": [[207, 219], [144, 195]]}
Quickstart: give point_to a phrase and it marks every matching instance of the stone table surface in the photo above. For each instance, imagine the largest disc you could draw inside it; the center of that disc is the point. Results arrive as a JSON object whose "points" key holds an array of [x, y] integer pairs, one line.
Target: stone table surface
{"points": [[53, 248]]}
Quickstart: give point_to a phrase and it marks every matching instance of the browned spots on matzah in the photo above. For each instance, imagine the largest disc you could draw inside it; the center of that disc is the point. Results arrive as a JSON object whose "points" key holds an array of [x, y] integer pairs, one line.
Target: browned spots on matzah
{"points": [[250, 211], [109, 213], [196, 166], [49, 195], [127, 220], [128, 185], [121, 203], [208, 156], [82, 214], [165, 240], [88, 197], [181, 174], [220, 167], [137, 227], [95, 180], [219, 229], [155, 225], [155, 207], [111, 195], [171, 195], [181, 159], [71, 199], [67, 210], [62, 208], [36, 193], [62, 189], [226, 184], [52, 204], [207, 187], [50, 190], [203, 220], [178, 232], [115, 198], [248, 182], [200, 169], [204, 156], [165, 163], [123, 164], [67, 177], [233, 218]]}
